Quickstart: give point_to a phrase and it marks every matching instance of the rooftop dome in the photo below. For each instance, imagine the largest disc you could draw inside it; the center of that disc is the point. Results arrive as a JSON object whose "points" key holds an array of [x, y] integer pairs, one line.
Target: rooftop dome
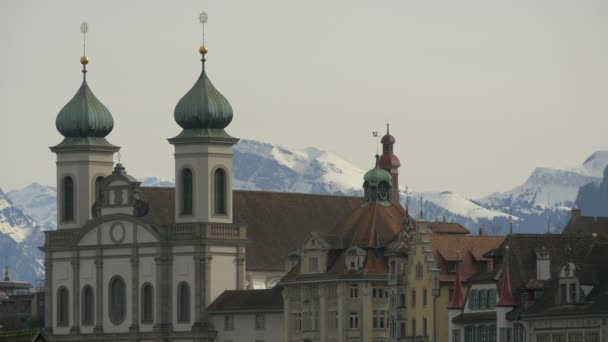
{"points": [[84, 116], [377, 175], [203, 107]]}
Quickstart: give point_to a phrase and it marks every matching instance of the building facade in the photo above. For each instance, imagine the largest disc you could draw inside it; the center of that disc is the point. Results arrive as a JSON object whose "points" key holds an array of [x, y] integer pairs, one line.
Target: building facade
{"points": [[114, 268], [248, 315]]}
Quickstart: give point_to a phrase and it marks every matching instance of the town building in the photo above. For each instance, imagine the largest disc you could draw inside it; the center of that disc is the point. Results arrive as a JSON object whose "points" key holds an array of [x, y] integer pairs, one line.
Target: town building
{"points": [[16, 304], [580, 224], [248, 315], [436, 251], [516, 300]]}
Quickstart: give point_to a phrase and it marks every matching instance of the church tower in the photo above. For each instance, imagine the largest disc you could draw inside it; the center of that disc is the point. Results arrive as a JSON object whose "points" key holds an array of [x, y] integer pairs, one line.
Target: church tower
{"points": [[84, 156], [203, 154], [390, 163]]}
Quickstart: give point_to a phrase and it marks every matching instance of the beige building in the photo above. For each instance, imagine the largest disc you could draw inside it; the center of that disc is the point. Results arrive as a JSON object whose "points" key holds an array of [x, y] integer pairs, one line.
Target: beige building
{"points": [[248, 315]]}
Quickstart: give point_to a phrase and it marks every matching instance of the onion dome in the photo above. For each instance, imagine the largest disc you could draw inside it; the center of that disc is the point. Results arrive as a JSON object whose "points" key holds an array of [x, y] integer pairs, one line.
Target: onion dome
{"points": [[203, 108], [377, 175], [84, 116], [377, 185]]}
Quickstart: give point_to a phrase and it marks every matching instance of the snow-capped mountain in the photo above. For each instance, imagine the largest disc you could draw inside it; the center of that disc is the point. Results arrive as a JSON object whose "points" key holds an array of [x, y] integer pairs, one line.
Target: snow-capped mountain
{"points": [[38, 201], [20, 237], [547, 196]]}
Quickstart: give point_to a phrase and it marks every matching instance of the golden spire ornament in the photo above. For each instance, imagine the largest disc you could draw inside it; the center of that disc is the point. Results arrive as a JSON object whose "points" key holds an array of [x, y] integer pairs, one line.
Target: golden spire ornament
{"points": [[202, 18], [84, 28]]}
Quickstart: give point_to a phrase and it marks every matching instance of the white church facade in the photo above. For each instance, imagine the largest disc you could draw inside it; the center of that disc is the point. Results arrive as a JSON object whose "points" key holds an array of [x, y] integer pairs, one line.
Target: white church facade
{"points": [[118, 267]]}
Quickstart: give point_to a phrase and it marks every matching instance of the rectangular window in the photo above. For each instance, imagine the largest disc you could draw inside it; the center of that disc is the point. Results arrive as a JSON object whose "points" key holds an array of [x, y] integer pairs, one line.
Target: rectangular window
{"points": [[379, 319], [413, 327], [456, 335], [354, 291], [575, 337], [483, 333], [402, 329], [297, 321], [313, 264], [592, 336], [572, 292], [228, 322], [333, 320], [413, 298], [468, 334], [307, 321], [425, 327], [492, 333], [424, 296], [563, 293], [482, 299], [259, 321], [560, 337], [353, 320]]}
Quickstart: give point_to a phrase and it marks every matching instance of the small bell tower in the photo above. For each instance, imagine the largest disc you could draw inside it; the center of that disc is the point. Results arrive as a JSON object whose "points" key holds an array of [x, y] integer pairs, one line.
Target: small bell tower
{"points": [[390, 163]]}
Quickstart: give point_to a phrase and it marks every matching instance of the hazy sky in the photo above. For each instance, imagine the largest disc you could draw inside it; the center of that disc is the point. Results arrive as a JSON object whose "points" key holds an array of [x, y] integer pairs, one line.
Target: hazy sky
{"points": [[478, 93]]}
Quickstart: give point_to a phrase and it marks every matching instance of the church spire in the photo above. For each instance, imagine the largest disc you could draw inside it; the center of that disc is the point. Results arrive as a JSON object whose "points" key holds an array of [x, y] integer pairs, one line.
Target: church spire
{"points": [[203, 111], [390, 163]]}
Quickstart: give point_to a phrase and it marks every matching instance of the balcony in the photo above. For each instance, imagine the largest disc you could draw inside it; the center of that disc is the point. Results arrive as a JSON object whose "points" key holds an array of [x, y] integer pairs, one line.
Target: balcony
{"points": [[208, 231]]}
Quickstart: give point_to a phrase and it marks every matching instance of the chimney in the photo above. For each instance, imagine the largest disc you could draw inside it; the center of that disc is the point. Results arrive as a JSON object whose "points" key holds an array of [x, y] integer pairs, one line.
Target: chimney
{"points": [[543, 264], [481, 231], [574, 213]]}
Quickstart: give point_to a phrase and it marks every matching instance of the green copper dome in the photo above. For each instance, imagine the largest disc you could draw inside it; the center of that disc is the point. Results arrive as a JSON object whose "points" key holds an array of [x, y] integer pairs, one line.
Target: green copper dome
{"points": [[377, 175], [377, 185], [203, 107], [84, 116]]}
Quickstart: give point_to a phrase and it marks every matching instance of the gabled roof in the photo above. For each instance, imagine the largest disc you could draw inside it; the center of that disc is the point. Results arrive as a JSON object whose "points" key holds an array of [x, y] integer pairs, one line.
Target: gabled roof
{"points": [[439, 227], [593, 265], [470, 247], [587, 225], [369, 226], [277, 222], [268, 300]]}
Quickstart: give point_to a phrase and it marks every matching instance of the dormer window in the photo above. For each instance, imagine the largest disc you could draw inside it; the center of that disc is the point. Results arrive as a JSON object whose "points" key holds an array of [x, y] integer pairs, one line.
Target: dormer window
{"points": [[313, 264], [354, 258]]}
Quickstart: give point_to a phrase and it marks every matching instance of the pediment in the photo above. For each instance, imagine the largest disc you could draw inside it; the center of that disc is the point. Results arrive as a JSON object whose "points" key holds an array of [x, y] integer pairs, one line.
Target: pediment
{"points": [[117, 231]]}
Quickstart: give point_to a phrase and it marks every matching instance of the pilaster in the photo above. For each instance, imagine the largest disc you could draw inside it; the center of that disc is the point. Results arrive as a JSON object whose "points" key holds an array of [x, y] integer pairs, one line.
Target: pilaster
{"points": [[75, 329], [322, 313], [164, 295], [341, 312], [98, 293], [201, 319], [286, 314], [48, 292], [134, 288], [366, 312], [240, 268]]}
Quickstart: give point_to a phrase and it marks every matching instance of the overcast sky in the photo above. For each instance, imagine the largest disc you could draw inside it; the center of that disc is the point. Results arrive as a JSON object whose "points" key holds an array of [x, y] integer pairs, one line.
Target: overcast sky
{"points": [[478, 93]]}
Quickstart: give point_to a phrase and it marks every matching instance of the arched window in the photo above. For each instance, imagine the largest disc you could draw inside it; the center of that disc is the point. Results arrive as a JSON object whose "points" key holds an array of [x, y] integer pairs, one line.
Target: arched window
{"points": [[87, 305], [68, 199], [147, 303], [183, 302], [117, 298], [98, 194], [187, 191], [63, 314], [220, 191], [383, 191]]}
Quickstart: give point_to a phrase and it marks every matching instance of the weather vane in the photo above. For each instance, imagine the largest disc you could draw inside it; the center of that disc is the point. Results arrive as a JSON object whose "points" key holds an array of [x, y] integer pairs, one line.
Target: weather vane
{"points": [[84, 28], [202, 18], [375, 135]]}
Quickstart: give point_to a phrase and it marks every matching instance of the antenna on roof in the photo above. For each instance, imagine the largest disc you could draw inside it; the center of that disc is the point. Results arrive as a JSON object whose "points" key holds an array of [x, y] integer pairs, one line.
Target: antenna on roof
{"points": [[407, 198], [421, 216]]}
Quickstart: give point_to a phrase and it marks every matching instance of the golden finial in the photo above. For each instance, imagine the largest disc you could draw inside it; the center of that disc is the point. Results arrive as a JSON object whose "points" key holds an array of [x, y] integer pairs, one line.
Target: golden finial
{"points": [[594, 235], [84, 28], [203, 49], [507, 247]]}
